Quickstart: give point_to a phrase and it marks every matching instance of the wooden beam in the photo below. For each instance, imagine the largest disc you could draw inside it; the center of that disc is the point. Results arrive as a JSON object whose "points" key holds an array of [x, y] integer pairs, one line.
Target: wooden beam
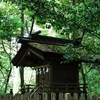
{"points": [[42, 66]]}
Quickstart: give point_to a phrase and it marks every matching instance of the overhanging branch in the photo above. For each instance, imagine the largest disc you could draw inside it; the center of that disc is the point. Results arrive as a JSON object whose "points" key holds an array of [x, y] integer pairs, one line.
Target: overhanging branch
{"points": [[87, 30]]}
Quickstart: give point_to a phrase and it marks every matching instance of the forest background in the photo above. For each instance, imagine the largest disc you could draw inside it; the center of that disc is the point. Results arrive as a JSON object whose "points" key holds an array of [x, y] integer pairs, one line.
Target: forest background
{"points": [[77, 20]]}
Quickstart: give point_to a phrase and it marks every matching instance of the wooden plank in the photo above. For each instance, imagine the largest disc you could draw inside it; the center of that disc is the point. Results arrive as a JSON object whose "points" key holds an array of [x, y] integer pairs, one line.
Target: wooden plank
{"points": [[44, 96], [75, 96], [68, 96], [82, 96], [53, 96], [7, 95], [22, 97], [36, 96], [25, 96], [42, 66], [17, 97], [95, 97], [89, 97], [61, 96], [1, 97]]}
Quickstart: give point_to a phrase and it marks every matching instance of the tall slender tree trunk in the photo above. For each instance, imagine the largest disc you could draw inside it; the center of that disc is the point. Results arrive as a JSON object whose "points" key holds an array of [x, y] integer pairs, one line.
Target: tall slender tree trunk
{"points": [[16, 80], [21, 69], [9, 73], [22, 20], [84, 78], [10, 66]]}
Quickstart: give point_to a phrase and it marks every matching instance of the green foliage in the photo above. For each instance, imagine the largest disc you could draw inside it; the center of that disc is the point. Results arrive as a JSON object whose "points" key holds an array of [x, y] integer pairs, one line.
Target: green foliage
{"points": [[9, 21], [82, 16], [92, 75], [4, 69], [63, 15], [82, 21], [43, 11], [74, 53], [89, 52], [93, 81], [9, 28]]}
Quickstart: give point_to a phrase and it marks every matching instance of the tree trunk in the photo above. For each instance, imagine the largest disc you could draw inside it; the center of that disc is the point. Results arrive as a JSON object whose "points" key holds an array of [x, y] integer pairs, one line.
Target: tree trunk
{"points": [[8, 79], [84, 80], [21, 76], [21, 69], [10, 66]]}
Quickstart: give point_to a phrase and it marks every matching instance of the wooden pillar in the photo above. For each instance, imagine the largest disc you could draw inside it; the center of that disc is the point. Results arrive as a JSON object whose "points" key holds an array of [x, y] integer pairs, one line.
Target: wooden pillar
{"points": [[84, 79], [21, 69]]}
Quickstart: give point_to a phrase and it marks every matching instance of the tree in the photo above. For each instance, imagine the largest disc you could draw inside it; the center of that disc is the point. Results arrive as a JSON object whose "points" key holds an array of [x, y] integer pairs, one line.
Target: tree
{"points": [[9, 26]]}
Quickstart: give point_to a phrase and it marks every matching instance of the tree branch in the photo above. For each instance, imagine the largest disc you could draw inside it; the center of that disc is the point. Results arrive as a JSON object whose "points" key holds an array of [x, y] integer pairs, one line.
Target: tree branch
{"points": [[32, 25], [27, 27], [5, 49], [8, 76], [2, 73], [87, 29]]}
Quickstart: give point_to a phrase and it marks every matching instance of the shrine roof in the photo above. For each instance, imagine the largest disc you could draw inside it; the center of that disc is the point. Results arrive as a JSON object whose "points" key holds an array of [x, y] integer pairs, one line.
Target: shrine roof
{"points": [[35, 50], [45, 40], [31, 56]]}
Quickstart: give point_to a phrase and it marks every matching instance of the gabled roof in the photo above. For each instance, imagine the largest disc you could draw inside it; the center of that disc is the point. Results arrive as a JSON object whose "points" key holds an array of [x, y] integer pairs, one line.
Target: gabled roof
{"points": [[25, 56], [45, 40], [28, 55]]}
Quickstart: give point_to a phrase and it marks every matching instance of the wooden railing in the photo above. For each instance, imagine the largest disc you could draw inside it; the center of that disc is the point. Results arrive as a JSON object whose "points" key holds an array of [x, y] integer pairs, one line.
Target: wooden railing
{"points": [[60, 87], [51, 96], [69, 87], [55, 87]]}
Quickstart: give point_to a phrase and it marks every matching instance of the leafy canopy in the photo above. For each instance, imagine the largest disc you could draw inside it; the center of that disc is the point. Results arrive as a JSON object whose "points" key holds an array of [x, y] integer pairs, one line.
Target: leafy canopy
{"points": [[9, 21], [75, 20]]}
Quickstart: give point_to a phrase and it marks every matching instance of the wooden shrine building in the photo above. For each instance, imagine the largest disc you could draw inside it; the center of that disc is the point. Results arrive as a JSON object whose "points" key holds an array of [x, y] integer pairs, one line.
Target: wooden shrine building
{"points": [[39, 52]]}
